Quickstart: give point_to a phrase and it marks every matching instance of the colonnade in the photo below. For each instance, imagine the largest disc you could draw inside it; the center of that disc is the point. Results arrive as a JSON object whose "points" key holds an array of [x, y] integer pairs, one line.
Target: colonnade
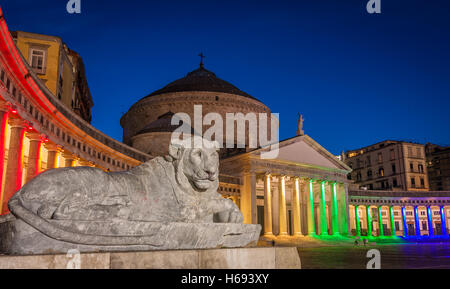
{"points": [[328, 221], [413, 220], [25, 153]]}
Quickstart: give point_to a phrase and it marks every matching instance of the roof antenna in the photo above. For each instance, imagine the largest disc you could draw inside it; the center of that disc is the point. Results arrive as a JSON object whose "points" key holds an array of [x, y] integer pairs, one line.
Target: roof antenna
{"points": [[201, 59]]}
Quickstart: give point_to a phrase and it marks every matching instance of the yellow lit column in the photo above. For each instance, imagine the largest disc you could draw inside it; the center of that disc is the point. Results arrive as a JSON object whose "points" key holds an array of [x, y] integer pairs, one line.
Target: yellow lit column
{"points": [[13, 179], [69, 159], [282, 205], [52, 155], [267, 206], [248, 198], [34, 153], [296, 207]]}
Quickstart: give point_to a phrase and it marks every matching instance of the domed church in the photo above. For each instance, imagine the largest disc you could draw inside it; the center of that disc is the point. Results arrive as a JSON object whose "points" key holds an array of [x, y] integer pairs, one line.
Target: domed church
{"points": [[302, 191], [147, 124]]}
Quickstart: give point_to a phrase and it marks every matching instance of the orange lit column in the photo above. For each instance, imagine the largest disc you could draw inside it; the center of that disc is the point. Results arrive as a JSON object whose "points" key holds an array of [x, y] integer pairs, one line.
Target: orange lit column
{"points": [[34, 155], [13, 180], [296, 207], [267, 206], [52, 155], [69, 159]]}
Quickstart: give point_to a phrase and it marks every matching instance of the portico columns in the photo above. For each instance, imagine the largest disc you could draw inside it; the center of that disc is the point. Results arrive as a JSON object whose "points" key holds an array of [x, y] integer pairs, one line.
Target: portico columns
{"points": [[357, 221], [380, 223], [13, 179], [282, 205], [443, 221], [405, 225], [334, 209], [416, 218], [33, 155], [52, 155], [296, 207], [430, 221], [391, 218], [323, 212], [248, 198], [267, 206], [369, 221], [310, 209]]}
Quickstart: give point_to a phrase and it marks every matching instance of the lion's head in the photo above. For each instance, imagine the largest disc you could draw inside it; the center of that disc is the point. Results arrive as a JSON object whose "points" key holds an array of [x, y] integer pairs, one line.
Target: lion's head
{"points": [[196, 163]]}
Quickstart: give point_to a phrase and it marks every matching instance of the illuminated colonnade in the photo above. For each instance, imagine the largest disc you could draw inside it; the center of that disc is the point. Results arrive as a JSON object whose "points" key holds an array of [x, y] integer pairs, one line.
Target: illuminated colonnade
{"points": [[313, 205], [38, 132], [407, 214]]}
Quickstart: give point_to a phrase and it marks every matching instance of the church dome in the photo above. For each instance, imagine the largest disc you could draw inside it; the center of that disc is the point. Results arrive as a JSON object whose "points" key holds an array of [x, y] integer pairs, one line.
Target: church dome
{"points": [[201, 79]]}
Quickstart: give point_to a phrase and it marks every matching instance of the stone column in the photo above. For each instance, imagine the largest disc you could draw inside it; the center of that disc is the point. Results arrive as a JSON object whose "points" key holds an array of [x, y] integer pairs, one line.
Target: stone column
{"points": [[417, 222], [13, 179], [369, 221], [248, 198], [282, 205], [357, 222], [334, 210], [323, 212], [310, 209], [69, 159], [391, 218], [267, 207], [405, 225], [52, 155], [380, 223], [443, 221], [34, 154], [430, 221], [4, 122], [296, 207]]}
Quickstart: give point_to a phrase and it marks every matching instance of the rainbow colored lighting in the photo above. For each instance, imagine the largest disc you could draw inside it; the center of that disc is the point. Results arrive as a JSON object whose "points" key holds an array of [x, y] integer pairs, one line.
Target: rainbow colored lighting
{"points": [[405, 225], [443, 224], [391, 216], [323, 212], [430, 222], [335, 224], [311, 200], [416, 218], [369, 222]]}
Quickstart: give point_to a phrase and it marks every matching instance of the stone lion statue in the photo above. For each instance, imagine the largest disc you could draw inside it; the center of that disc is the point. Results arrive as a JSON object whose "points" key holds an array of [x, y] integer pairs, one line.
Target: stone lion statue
{"points": [[181, 187]]}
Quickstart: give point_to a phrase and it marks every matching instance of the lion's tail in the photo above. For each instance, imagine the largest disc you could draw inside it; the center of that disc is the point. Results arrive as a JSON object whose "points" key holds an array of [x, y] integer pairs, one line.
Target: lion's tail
{"points": [[54, 232]]}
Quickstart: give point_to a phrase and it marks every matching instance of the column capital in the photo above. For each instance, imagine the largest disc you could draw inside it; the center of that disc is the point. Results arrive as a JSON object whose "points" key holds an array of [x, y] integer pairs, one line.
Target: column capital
{"points": [[34, 136], [68, 154], [51, 147], [16, 122]]}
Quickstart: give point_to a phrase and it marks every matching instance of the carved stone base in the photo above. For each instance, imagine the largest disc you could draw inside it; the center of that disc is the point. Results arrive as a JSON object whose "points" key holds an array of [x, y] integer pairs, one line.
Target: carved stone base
{"points": [[19, 238], [236, 258]]}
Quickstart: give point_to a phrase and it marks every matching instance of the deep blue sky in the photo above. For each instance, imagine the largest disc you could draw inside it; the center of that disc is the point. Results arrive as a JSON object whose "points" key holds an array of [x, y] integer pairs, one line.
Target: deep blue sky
{"points": [[358, 78]]}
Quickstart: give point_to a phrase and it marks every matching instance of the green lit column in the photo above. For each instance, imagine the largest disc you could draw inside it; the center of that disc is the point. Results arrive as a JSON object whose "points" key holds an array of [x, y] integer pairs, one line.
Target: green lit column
{"points": [[369, 221], [310, 208], [334, 208], [357, 221], [323, 210], [391, 217], [380, 223]]}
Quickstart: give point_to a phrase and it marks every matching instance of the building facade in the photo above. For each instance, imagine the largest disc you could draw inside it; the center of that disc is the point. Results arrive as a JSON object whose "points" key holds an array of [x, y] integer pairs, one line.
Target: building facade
{"points": [[59, 68], [438, 165], [389, 165]]}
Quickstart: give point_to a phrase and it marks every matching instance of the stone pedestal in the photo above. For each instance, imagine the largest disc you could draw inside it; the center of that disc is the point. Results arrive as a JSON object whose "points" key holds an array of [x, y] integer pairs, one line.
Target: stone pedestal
{"points": [[239, 258]]}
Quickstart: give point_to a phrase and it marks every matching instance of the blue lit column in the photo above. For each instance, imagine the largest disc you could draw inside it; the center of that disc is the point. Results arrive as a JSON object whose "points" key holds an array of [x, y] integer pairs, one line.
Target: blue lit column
{"points": [[443, 221], [430, 221], [405, 226], [416, 218]]}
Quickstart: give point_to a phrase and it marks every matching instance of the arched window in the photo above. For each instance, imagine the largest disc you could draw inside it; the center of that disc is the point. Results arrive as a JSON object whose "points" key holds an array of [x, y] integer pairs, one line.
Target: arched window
{"points": [[381, 172]]}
